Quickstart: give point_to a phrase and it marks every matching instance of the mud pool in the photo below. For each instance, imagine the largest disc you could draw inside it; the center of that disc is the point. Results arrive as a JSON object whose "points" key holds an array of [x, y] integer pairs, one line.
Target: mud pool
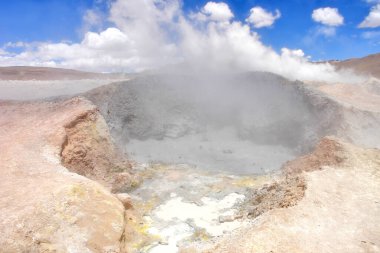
{"points": [[244, 124]]}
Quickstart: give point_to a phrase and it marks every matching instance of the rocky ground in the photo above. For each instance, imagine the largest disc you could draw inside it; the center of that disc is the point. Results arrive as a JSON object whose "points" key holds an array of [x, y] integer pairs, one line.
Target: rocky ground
{"points": [[64, 181]]}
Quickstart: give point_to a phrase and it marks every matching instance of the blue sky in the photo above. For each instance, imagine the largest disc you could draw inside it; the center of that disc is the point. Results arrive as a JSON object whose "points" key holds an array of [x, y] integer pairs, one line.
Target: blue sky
{"points": [[62, 20], [41, 20]]}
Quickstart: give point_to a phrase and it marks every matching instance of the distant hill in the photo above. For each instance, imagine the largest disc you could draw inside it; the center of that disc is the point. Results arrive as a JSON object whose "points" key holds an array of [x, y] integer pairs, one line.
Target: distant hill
{"points": [[43, 73], [366, 65]]}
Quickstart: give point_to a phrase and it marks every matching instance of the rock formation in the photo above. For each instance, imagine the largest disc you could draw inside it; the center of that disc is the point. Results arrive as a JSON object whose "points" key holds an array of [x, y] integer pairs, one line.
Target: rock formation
{"points": [[44, 206]]}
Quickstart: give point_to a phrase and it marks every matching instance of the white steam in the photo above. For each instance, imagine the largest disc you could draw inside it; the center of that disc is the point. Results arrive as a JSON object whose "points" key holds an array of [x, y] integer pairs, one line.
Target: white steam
{"points": [[154, 33]]}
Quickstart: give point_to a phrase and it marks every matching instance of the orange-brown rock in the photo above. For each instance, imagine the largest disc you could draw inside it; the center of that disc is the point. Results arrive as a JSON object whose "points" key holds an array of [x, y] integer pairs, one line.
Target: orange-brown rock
{"points": [[89, 151], [329, 152]]}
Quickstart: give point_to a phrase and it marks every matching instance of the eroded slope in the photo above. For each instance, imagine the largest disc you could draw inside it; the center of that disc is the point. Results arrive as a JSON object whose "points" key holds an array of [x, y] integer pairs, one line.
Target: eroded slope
{"points": [[44, 207]]}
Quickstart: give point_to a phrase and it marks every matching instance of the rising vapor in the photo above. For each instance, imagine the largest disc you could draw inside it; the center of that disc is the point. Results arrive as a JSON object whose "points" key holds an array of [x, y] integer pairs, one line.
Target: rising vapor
{"points": [[155, 33]]}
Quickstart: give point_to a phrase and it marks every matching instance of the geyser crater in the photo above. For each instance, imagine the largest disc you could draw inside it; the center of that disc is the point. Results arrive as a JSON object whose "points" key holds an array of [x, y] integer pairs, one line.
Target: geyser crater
{"points": [[246, 123]]}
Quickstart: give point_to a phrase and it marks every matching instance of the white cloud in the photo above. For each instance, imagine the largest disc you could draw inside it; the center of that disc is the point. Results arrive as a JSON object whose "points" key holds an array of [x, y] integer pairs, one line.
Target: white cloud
{"points": [[328, 16], [110, 50], [327, 31], [371, 35], [2, 52], [373, 18], [260, 17], [154, 33], [217, 11], [92, 19], [110, 39], [18, 44]]}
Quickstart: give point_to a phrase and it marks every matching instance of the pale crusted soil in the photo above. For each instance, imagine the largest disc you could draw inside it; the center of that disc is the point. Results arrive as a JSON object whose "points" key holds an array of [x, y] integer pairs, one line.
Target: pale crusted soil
{"points": [[43, 206], [363, 96]]}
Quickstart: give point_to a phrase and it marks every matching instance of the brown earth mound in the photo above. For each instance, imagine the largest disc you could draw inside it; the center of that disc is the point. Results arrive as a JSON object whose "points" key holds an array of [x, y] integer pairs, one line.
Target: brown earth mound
{"points": [[329, 152]]}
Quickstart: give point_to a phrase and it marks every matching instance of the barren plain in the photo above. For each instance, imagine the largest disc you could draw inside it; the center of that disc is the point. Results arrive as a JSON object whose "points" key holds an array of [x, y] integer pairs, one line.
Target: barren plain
{"points": [[248, 162]]}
